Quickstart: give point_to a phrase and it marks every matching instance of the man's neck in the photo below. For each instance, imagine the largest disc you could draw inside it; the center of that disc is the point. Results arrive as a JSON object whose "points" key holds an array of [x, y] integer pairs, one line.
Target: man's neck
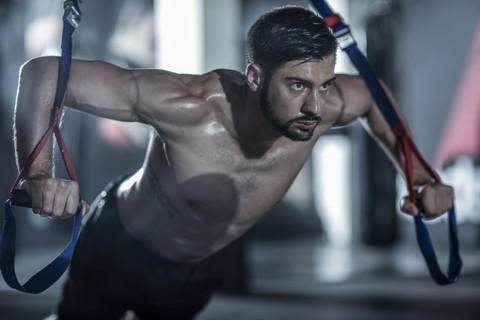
{"points": [[255, 134]]}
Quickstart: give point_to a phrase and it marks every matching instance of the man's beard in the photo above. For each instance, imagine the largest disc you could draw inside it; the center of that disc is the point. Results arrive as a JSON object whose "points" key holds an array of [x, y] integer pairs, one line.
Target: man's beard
{"points": [[287, 129]]}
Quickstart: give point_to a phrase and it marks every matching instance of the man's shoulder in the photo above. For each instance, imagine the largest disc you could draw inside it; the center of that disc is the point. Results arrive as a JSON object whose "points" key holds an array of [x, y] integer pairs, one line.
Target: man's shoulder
{"points": [[219, 78], [186, 98], [220, 86], [216, 80]]}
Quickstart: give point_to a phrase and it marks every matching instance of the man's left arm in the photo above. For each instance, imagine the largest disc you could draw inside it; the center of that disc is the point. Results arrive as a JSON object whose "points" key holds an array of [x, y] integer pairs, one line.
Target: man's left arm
{"points": [[435, 197]]}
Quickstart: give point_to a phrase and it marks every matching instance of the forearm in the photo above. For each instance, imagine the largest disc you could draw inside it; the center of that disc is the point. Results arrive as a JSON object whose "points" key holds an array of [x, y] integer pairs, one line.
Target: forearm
{"points": [[380, 129], [33, 109]]}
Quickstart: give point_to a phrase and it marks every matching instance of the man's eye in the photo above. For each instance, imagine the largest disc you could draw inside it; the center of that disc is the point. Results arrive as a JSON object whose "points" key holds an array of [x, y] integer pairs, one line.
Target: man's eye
{"points": [[325, 87], [297, 86]]}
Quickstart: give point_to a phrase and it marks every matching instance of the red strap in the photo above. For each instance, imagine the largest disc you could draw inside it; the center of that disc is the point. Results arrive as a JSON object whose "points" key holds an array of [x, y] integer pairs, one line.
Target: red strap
{"points": [[54, 128], [33, 156], [65, 155], [408, 150]]}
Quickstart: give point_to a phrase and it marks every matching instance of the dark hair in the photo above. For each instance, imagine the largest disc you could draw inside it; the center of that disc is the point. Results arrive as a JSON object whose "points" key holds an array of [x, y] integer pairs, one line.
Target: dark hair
{"points": [[288, 33]]}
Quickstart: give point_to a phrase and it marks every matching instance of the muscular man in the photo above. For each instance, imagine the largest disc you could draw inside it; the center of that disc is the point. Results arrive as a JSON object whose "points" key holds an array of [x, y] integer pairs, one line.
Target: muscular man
{"points": [[225, 148]]}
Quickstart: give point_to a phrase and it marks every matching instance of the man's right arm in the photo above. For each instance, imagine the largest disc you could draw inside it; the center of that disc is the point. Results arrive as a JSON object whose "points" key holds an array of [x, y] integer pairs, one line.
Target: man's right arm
{"points": [[96, 87]]}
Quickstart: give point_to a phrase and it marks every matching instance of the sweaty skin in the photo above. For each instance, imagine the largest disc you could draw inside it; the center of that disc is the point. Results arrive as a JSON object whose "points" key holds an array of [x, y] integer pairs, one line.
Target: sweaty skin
{"points": [[219, 157]]}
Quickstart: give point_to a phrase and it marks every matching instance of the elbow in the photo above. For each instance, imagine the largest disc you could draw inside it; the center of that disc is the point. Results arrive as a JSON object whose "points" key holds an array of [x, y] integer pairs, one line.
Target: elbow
{"points": [[36, 78], [38, 73], [38, 67]]}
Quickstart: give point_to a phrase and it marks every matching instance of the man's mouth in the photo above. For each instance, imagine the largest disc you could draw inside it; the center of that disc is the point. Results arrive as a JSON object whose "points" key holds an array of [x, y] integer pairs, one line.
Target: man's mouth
{"points": [[307, 125]]}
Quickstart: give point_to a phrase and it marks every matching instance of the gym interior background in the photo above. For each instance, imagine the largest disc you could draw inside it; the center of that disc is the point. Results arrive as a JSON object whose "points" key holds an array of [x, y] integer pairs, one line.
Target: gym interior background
{"points": [[333, 248]]}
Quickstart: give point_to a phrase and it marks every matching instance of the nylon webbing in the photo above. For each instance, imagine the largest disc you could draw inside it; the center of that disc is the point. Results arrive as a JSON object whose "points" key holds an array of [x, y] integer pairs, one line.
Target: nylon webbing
{"points": [[347, 43], [46, 277]]}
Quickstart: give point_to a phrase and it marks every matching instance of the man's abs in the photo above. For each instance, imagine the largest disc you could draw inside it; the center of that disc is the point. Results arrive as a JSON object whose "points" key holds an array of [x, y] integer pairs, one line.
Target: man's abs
{"points": [[187, 205]]}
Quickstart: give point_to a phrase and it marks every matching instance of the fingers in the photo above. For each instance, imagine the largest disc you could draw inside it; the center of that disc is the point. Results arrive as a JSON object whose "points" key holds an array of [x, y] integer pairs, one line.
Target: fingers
{"points": [[85, 208], [56, 198], [435, 198], [408, 207]]}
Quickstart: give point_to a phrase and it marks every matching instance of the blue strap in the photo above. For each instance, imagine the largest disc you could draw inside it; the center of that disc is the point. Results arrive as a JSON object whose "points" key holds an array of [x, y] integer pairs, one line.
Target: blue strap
{"points": [[426, 247], [71, 19], [348, 44], [46, 277]]}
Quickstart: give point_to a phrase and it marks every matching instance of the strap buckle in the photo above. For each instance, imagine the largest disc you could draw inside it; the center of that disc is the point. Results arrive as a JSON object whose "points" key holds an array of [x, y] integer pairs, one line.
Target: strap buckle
{"points": [[71, 13], [344, 37]]}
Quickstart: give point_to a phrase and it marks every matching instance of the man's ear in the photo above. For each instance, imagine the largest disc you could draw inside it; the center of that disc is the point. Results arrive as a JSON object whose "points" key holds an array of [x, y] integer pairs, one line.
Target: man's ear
{"points": [[253, 75]]}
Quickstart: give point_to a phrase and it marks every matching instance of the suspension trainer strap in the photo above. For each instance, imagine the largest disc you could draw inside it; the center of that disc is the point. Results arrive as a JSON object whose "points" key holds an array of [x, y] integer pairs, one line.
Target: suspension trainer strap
{"points": [[348, 44], [46, 277]]}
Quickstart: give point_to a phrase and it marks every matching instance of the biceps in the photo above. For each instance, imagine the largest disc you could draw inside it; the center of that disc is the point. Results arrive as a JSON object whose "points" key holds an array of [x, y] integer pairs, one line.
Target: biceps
{"points": [[103, 89], [354, 96]]}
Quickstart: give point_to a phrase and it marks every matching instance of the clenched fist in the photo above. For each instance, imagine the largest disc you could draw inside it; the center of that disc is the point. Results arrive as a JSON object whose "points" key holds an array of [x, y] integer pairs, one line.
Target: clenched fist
{"points": [[436, 199], [52, 197]]}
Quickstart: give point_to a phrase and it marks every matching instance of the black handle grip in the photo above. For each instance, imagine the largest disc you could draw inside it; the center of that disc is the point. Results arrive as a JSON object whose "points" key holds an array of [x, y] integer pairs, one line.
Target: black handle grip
{"points": [[21, 198]]}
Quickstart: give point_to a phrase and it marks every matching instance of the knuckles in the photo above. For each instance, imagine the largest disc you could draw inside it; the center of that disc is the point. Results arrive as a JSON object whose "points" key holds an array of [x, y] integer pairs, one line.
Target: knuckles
{"points": [[52, 197], [436, 199]]}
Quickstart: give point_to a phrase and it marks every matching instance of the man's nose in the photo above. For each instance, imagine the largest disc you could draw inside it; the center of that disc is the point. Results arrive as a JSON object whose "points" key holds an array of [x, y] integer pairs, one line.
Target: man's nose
{"points": [[313, 104]]}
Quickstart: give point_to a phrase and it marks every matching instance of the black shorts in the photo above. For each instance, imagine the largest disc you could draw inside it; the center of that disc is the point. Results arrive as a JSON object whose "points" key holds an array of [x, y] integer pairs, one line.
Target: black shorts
{"points": [[112, 272]]}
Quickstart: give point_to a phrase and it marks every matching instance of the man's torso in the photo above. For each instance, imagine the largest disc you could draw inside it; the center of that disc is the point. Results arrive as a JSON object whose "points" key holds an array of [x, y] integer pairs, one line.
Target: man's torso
{"points": [[200, 188]]}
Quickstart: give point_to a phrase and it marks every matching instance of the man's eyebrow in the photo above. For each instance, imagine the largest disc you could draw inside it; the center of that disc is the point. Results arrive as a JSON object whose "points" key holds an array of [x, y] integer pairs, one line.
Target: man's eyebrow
{"points": [[332, 79], [296, 79], [304, 81]]}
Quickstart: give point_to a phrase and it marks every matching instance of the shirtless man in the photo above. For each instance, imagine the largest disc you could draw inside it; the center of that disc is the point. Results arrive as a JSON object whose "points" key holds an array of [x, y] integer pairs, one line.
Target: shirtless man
{"points": [[225, 148]]}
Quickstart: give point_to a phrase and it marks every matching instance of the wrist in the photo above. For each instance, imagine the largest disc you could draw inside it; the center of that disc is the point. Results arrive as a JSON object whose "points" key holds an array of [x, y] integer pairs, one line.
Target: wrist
{"points": [[36, 176]]}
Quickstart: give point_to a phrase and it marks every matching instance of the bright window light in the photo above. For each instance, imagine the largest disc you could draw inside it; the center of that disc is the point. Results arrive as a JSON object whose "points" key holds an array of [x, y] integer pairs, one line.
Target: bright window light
{"points": [[331, 184], [179, 35]]}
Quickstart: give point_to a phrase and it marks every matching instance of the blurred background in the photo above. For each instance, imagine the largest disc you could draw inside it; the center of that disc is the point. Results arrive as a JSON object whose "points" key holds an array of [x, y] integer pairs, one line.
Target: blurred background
{"points": [[336, 247]]}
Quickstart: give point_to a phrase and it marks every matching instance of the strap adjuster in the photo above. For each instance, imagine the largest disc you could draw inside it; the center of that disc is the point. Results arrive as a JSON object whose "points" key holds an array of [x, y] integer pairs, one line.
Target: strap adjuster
{"points": [[344, 38], [71, 14]]}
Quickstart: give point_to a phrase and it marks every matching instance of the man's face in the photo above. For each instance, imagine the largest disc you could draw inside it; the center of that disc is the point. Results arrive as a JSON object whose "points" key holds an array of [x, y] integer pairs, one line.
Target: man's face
{"points": [[294, 98]]}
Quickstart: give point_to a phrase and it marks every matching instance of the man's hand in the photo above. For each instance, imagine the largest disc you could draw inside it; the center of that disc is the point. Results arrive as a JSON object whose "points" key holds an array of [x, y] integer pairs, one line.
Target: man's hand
{"points": [[436, 199], [56, 198]]}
